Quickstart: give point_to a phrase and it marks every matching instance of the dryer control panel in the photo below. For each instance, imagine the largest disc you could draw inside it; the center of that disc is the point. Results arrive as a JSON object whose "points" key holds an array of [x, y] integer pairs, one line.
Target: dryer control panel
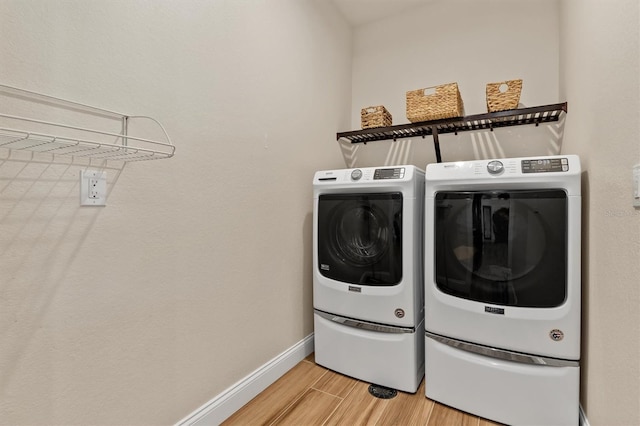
{"points": [[551, 171], [544, 165]]}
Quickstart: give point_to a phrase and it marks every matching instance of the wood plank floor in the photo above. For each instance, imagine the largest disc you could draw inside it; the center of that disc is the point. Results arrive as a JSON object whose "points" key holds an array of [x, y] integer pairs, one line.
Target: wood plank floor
{"points": [[313, 395]]}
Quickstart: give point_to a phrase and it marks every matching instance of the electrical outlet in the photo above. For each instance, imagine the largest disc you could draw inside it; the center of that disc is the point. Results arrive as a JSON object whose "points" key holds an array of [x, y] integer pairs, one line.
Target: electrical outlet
{"points": [[93, 188], [94, 192]]}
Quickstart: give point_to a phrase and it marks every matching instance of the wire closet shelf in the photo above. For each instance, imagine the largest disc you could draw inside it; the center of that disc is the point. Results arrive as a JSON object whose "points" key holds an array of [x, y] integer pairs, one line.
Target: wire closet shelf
{"points": [[45, 136]]}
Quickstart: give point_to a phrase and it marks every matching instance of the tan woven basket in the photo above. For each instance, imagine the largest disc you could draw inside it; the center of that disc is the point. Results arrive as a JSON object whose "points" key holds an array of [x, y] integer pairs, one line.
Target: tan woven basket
{"points": [[503, 95], [375, 116], [434, 103]]}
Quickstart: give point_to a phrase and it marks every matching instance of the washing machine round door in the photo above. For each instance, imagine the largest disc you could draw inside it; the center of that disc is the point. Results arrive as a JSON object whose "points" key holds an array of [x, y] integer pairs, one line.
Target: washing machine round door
{"points": [[361, 235], [360, 238]]}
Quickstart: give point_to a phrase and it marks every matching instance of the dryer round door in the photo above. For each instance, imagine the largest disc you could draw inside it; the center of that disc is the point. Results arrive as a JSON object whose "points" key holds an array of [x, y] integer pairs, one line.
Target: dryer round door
{"points": [[502, 247], [360, 238]]}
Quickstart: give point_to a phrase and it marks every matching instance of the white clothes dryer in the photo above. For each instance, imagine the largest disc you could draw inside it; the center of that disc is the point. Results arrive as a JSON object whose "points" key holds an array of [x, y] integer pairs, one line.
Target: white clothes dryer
{"points": [[502, 288], [367, 274]]}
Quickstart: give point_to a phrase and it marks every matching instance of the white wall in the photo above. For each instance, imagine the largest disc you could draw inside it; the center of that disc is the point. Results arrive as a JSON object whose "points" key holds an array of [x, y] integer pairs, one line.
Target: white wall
{"points": [[469, 42], [600, 75], [198, 270]]}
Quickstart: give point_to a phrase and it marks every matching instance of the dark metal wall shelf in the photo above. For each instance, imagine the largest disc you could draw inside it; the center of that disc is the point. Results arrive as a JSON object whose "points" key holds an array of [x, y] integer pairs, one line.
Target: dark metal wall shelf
{"points": [[487, 121]]}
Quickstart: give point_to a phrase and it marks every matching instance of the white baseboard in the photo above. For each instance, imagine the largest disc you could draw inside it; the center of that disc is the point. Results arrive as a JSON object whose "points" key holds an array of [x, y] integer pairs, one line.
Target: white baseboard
{"points": [[583, 417], [233, 398], [236, 396]]}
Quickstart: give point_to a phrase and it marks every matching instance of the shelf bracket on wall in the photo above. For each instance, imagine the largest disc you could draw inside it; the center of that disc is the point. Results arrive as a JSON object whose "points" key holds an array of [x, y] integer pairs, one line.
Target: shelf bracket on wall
{"points": [[436, 144], [487, 121]]}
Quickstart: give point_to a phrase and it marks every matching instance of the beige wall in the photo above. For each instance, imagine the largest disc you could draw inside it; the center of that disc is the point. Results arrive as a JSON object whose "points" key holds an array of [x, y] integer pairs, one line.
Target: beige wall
{"points": [[584, 52], [472, 43], [141, 311], [198, 270], [600, 76]]}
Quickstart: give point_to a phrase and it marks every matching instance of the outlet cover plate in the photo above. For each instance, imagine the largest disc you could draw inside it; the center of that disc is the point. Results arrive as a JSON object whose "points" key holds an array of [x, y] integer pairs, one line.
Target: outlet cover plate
{"points": [[93, 188]]}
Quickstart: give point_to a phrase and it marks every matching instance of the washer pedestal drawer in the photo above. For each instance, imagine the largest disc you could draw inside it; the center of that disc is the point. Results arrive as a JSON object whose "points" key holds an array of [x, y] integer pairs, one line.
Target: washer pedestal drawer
{"points": [[504, 391], [393, 360]]}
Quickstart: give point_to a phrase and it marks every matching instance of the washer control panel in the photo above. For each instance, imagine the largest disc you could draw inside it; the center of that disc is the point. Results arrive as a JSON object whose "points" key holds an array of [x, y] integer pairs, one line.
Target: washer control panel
{"points": [[391, 173], [545, 165]]}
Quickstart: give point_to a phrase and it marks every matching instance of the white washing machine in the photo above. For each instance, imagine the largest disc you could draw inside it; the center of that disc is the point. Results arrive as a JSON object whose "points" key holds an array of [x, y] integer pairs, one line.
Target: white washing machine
{"points": [[502, 288], [367, 274]]}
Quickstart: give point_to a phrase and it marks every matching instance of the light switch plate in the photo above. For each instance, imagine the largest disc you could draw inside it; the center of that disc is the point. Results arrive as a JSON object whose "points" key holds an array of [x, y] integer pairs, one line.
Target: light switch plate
{"points": [[636, 186], [93, 188]]}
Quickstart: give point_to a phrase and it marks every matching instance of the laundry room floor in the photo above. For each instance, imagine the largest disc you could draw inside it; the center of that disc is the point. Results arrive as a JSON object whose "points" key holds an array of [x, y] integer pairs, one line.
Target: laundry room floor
{"points": [[312, 395]]}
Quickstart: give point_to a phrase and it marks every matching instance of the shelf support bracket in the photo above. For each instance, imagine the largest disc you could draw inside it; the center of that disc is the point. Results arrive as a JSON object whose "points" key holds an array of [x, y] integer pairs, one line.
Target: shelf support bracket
{"points": [[125, 130], [436, 143]]}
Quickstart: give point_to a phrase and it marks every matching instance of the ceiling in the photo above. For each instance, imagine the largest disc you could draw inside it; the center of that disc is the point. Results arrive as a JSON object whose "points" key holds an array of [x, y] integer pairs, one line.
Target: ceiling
{"points": [[359, 12]]}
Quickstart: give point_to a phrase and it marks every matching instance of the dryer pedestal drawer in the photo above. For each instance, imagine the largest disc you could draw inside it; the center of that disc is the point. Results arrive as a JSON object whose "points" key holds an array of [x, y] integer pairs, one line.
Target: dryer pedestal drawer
{"points": [[393, 360], [504, 391]]}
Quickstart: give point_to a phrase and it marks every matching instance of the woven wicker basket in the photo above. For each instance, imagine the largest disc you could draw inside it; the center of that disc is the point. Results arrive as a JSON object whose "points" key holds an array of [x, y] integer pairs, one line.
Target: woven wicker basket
{"points": [[503, 95], [375, 116], [434, 103]]}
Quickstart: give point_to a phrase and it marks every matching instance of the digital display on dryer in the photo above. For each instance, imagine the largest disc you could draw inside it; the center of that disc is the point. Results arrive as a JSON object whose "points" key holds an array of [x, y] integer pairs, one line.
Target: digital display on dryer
{"points": [[395, 173], [545, 165]]}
